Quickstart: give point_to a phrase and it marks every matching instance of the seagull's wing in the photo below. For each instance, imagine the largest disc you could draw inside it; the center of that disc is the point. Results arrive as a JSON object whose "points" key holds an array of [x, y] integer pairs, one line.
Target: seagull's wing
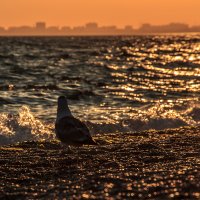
{"points": [[82, 126], [72, 130]]}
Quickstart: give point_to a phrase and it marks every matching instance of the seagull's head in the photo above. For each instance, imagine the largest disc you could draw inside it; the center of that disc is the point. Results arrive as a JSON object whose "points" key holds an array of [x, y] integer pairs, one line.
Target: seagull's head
{"points": [[62, 100], [63, 109]]}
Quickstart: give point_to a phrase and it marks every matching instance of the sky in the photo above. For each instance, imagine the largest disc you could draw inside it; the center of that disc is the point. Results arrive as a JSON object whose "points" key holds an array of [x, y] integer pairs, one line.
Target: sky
{"points": [[105, 12]]}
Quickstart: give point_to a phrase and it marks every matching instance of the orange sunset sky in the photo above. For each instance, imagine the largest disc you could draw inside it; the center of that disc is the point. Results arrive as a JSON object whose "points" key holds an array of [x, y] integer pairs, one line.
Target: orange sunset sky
{"points": [[105, 12]]}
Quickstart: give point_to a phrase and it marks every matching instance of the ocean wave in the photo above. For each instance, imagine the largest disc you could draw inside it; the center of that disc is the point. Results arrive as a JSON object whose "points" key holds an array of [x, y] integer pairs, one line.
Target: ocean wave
{"points": [[157, 117], [22, 127], [25, 127]]}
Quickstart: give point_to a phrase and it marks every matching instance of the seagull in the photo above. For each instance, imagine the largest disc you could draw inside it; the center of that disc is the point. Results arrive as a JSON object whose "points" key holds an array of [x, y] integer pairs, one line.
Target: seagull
{"points": [[69, 130]]}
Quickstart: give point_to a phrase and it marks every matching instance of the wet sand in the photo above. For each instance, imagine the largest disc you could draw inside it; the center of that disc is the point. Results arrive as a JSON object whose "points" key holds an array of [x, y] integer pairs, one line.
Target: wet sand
{"points": [[146, 165]]}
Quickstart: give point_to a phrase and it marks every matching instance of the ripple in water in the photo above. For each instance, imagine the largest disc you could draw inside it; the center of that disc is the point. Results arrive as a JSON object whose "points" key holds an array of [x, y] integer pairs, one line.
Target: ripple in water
{"points": [[113, 83]]}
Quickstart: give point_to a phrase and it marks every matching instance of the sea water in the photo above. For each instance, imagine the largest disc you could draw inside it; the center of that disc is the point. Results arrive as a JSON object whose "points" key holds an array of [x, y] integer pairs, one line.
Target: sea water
{"points": [[113, 84]]}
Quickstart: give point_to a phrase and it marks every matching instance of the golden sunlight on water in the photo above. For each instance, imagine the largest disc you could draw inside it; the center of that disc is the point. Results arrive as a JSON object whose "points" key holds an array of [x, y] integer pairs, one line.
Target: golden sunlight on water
{"points": [[106, 80], [24, 126], [26, 119]]}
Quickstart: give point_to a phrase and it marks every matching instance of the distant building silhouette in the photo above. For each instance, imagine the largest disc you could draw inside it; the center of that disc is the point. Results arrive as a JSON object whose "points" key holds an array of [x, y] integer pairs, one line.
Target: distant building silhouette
{"points": [[195, 29], [128, 29], [2, 30], [65, 29], [40, 26], [93, 28], [169, 28], [52, 30]]}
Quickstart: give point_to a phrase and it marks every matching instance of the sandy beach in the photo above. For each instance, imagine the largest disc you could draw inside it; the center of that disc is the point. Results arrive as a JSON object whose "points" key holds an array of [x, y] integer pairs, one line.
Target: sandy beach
{"points": [[143, 165]]}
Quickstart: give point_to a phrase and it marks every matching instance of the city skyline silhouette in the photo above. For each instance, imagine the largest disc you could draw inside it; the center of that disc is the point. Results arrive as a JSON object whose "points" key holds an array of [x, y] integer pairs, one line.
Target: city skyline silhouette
{"points": [[92, 28]]}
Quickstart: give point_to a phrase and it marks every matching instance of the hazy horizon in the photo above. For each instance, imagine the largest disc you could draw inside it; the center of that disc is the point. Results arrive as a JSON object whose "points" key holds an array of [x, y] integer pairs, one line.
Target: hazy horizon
{"points": [[100, 25], [77, 12], [93, 28]]}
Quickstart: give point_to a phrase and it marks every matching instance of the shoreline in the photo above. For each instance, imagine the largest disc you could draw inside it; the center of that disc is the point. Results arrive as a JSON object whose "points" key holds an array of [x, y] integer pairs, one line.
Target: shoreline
{"points": [[144, 165]]}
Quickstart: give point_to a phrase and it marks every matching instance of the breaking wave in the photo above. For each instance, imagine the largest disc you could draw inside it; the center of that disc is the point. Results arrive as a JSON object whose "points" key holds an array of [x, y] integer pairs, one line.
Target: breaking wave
{"points": [[24, 126]]}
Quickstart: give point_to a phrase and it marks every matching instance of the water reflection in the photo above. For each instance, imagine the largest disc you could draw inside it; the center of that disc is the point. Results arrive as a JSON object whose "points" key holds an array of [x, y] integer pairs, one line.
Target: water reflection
{"points": [[102, 77]]}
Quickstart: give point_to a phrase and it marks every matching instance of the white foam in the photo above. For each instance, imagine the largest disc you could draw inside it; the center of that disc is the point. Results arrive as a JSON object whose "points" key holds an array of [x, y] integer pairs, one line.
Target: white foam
{"points": [[24, 126]]}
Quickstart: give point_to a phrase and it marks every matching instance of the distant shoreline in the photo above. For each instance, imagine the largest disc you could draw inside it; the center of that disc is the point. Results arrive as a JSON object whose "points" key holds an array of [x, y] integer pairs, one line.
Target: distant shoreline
{"points": [[102, 35], [93, 29]]}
